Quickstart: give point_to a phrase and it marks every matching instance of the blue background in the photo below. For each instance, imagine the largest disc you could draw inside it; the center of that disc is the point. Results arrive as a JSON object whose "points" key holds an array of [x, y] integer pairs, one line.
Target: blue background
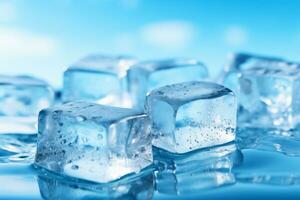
{"points": [[43, 37]]}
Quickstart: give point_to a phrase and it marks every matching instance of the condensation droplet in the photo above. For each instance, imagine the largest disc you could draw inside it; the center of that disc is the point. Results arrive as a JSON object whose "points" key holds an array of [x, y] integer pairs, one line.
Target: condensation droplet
{"points": [[80, 118], [75, 167]]}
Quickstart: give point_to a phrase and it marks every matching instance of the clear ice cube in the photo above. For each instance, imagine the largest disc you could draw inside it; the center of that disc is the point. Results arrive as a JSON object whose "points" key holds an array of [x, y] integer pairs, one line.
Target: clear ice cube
{"points": [[243, 61], [99, 79], [269, 97], [21, 99], [149, 75], [93, 142], [191, 115]]}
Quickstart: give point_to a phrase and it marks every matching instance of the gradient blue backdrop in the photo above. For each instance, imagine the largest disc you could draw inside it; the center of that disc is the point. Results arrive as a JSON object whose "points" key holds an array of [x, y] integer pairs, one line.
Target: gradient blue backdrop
{"points": [[43, 37]]}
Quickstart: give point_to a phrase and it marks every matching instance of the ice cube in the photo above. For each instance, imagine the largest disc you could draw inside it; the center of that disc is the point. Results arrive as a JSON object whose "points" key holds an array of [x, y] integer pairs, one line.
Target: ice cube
{"points": [[149, 75], [269, 97], [93, 142], [192, 115], [21, 99], [196, 171], [99, 79], [243, 61]]}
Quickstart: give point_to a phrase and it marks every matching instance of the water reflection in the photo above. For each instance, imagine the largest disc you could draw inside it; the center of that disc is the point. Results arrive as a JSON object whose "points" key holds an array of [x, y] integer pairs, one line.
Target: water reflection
{"points": [[138, 187], [263, 161], [282, 180], [204, 169], [17, 148], [286, 142]]}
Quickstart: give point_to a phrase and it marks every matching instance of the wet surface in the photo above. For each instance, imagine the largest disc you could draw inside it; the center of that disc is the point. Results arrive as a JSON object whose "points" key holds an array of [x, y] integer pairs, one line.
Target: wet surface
{"points": [[262, 164]]}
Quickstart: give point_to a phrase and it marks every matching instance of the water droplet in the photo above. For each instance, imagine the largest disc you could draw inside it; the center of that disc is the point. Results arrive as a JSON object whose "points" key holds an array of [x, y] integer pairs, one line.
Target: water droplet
{"points": [[80, 118], [142, 149], [100, 136], [58, 111], [229, 130], [75, 167]]}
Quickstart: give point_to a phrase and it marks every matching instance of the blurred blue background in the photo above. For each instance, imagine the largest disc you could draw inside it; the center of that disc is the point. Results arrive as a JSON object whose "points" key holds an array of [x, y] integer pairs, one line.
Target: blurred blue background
{"points": [[42, 38]]}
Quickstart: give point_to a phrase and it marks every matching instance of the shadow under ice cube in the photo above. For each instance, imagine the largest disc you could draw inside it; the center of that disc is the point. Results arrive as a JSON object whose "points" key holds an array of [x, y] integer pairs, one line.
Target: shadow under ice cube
{"points": [[99, 79], [149, 75], [21, 99], [93, 142], [192, 115]]}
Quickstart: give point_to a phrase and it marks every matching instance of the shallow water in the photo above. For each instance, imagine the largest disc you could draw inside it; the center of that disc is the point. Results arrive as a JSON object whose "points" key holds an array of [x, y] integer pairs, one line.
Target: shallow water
{"points": [[262, 164]]}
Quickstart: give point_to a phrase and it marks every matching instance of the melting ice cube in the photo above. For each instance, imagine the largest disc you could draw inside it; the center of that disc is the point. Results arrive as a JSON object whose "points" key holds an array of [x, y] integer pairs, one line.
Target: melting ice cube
{"points": [[265, 89], [149, 75], [269, 97], [97, 78], [243, 61], [192, 115], [93, 142], [21, 99]]}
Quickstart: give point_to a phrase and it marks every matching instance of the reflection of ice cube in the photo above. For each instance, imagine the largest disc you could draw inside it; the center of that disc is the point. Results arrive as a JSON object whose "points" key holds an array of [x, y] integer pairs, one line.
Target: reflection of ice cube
{"points": [[269, 97], [150, 75], [93, 142], [192, 115], [99, 79], [203, 169], [140, 187], [21, 99]]}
